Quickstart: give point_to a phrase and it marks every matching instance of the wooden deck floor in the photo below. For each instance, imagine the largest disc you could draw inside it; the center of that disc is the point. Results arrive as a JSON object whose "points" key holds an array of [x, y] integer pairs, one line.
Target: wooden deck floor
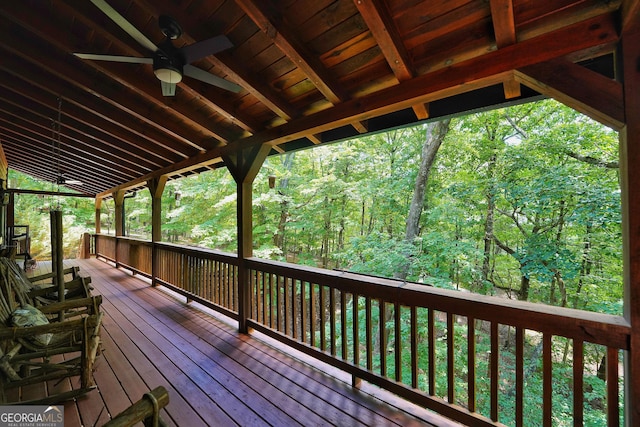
{"points": [[215, 376]]}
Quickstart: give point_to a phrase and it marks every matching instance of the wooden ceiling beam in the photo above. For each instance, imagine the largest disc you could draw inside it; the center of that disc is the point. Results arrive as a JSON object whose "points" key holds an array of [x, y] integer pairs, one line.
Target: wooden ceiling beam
{"points": [[29, 118], [41, 136], [504, 28], [45, 162], [577, 87], [492, 68], [565, 17], [630, 16], [79, 121], [263, 14], [47, 193], [227, 63], [103, 115], [384, 31], [215, 99], [147, 88], [56, 67], [458, 78]]}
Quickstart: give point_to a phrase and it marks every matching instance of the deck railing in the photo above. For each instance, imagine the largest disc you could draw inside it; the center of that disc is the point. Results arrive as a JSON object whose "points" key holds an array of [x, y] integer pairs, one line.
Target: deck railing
{"points": [[356, 323]]}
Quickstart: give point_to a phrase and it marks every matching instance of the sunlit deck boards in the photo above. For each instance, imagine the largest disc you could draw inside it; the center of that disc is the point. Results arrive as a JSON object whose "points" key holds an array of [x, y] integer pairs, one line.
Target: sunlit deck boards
{"points": [[214, 375]]}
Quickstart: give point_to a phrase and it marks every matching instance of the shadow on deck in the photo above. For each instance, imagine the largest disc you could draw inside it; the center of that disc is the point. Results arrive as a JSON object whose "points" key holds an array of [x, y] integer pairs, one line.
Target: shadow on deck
{"points": [[214, 375]]}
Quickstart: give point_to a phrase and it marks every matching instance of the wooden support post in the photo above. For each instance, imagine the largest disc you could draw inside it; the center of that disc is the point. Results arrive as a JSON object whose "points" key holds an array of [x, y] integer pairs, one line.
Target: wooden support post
{"points": [[118, 198], [57, 255], [244, 165], [98, 215], [630, 183], [156, 188], [10, 217]]}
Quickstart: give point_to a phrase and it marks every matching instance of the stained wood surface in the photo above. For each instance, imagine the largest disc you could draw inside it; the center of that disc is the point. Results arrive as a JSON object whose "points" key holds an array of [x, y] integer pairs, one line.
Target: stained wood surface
{"points": [[311, 71], [214, 375]]}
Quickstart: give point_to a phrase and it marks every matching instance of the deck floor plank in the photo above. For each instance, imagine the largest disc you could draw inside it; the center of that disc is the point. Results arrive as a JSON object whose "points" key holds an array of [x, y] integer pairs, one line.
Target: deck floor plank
{"points": [[205, 374], [214, 375], [230, 364], [280, 371]]}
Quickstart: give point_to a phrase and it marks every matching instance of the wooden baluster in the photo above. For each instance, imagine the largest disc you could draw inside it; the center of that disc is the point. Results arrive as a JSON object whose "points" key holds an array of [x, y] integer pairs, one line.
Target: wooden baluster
{"points": [[219, 287], [355, 381], [332, 320], [281, 301], [578, 383], [397, 334], [471, 363], [323, 318], [451, 380], [431, 336], [294, 312], [547, 376], [494, 370], [287, 306], [369, 332], [312, 314], [303, 310], [613, 415], [259, 302], [343, 325], [254, 295], [383, 338], [519, 377], [234, 281], [271, 302], [414, 346]]}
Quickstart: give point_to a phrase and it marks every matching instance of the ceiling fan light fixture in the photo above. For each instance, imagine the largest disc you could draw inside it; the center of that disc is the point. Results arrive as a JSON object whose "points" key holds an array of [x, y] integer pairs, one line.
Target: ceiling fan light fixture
{"points": [[168, 75], [166, 71]]}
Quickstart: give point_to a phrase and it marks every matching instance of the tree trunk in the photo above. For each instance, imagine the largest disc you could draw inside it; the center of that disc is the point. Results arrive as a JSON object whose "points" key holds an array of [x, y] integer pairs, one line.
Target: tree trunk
{"points": [[489, 221], [279, 237], [434, 135]]}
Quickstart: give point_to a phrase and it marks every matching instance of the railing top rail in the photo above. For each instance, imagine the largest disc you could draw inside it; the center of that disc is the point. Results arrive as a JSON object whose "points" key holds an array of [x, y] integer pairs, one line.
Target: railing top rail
{"points": [[127, 238], [231, 258], [598, 328], [200, 252]]}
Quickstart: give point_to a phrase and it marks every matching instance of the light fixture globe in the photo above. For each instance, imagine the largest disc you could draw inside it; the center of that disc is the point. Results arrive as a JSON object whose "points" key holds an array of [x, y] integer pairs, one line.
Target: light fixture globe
{"points": [[167, 71]]}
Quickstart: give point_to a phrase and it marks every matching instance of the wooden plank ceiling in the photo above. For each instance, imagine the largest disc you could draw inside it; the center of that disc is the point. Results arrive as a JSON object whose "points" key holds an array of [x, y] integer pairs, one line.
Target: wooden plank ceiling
{"points": [[311, 72]]}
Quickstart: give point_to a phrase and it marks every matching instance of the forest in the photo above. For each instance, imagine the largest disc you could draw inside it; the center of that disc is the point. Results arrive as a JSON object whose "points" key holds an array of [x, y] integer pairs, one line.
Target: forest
{"points": [[521, 202]]}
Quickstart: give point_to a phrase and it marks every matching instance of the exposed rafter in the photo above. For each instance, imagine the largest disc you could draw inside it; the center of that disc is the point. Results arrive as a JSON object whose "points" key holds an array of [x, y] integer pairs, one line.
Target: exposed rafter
{"points": [[484, 71], [384, 31], [504, 28], [261, 12], [581, 89], [312, 72]]}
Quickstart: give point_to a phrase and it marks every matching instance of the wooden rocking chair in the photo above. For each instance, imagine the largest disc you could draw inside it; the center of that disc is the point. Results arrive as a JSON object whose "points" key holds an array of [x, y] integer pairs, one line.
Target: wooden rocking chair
{"points": [[57, 340]]}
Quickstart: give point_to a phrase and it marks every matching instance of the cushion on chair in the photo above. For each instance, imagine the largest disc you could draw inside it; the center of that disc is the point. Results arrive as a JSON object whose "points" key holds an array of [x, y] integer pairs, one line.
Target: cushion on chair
{"points": [[28, 315]]}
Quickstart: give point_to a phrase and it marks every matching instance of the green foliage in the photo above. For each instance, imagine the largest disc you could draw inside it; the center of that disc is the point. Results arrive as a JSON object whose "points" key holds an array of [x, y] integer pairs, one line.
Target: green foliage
{"points": [[33, 210], [525, 196]]}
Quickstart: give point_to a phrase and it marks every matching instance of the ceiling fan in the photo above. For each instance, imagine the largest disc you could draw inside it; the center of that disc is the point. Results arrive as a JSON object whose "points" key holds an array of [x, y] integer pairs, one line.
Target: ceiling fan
{"points": [[61, 180], [170, 63], [56, 130]]}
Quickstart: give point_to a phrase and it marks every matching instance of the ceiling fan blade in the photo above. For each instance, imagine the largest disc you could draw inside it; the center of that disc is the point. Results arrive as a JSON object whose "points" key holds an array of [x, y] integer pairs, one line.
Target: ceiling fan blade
{"points": [[115, 58], [124, 24], [203, 76], [168, 89], [204, 48], [61, 180]]}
